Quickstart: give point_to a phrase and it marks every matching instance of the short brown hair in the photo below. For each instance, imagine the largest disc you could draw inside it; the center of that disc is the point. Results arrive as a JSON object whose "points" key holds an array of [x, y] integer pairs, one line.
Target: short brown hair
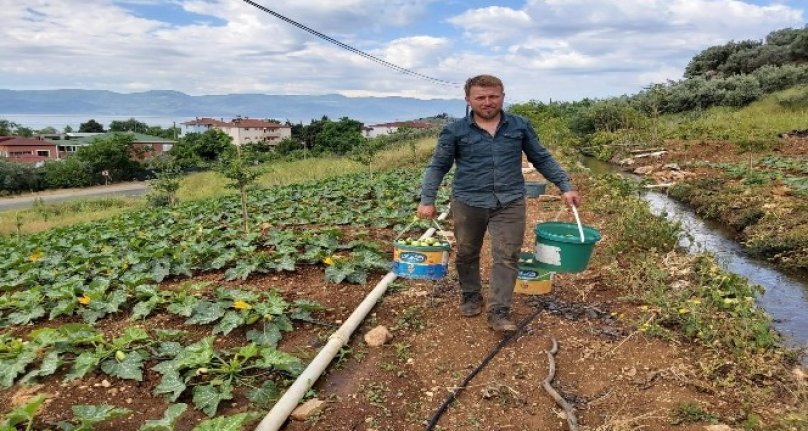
{"points": [[483, 81]]}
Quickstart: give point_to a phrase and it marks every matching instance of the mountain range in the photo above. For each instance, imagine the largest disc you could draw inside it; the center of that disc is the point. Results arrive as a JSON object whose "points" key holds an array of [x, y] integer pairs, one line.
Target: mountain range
{"points": [[296, 108]]}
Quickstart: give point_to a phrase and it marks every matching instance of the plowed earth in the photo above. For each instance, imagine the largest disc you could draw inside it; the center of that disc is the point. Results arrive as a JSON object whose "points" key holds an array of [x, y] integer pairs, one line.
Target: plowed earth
{"points": [[617, 378]]}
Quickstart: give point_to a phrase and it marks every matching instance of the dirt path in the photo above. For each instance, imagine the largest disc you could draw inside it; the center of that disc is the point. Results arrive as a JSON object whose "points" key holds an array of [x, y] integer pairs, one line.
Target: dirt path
{"points": [[27, 200]]}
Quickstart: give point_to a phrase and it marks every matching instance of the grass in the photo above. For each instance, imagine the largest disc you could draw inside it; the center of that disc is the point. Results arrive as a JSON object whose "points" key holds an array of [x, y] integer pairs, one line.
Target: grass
{"points": [[44, 216], [759, 123], [205, 185]]}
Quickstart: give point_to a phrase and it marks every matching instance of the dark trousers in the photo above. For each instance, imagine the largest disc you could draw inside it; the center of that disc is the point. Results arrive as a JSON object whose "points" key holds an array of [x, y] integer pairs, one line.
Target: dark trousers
{"points": [[506, 226]]}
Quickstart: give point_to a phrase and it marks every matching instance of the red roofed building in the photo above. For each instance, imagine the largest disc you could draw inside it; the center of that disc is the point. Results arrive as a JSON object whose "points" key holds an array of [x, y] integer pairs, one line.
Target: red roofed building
{"points": [[375, 130], [27, 150], [242, 130]]}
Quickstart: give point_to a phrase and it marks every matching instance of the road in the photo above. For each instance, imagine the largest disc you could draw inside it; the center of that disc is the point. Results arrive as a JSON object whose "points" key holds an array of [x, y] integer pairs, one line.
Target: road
{"points": [[51, 196]]}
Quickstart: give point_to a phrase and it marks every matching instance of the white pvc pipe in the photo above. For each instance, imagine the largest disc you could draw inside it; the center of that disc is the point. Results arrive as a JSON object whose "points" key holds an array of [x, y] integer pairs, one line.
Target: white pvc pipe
{"points": [[276, 417]]}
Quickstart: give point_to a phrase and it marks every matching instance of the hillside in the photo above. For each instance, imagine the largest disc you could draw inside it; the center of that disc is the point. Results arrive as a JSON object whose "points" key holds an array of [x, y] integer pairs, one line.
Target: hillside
{"points": [[295, 108]]}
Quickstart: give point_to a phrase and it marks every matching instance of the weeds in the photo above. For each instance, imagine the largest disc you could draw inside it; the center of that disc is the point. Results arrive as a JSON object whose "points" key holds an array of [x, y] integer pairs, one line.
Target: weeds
{"points": [[691, 412]]}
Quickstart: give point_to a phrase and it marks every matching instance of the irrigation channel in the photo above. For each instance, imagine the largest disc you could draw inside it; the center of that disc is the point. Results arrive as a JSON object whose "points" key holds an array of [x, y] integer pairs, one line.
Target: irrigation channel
{"points": [[785, 297]]}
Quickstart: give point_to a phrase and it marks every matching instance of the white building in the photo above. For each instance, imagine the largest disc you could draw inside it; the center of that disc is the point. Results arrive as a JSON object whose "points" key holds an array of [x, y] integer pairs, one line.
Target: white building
{"points": [[375, 130], [242, 130]]}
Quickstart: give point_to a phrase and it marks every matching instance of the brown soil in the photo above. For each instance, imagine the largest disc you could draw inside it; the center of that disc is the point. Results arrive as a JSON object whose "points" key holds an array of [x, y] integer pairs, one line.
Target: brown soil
{"points": [[618, 379]]}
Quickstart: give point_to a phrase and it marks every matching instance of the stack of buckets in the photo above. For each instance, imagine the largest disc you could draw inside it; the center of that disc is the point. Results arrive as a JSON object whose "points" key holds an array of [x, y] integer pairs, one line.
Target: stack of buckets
{"points": [[560, 247]]}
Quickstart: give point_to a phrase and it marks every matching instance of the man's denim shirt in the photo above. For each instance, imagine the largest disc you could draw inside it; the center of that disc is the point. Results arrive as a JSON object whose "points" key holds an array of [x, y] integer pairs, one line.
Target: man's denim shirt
{"points": [[489, 168]]}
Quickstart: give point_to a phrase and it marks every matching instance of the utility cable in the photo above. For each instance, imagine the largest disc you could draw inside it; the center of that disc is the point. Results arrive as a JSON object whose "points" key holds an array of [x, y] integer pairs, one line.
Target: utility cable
{"points": [[435, 416], [347, 47]]}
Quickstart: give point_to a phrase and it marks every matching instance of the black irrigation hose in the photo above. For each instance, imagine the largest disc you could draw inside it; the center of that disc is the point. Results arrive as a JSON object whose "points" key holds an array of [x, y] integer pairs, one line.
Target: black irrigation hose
{"points": [[435, 416]]}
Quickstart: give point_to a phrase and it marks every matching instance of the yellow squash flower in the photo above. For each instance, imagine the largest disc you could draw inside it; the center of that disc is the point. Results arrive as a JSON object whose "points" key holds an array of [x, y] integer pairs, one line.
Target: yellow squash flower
{"points": [[241, 305], [36, 255], [84, 299]]}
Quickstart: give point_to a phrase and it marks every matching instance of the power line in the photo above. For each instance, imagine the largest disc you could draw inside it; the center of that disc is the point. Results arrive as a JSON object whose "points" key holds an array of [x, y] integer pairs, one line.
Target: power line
{"points": [[347, 47]]}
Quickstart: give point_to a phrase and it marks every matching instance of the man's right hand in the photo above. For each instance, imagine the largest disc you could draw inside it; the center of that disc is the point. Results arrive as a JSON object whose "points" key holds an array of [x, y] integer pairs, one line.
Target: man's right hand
{"points": [[426, 211]]}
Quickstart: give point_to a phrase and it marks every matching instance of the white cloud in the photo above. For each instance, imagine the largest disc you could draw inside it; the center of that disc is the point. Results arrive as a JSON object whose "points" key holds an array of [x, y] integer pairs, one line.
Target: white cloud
{"points": [[564, 49]]}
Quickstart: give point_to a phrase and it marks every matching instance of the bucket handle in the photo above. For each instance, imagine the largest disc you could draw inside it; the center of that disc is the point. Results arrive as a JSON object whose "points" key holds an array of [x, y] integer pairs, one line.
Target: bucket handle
{"points": [[439, 229], [577, 220]]}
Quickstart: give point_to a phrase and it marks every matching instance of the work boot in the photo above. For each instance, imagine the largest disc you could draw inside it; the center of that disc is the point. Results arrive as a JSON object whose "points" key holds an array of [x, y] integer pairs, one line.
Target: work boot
{"points": [[471, 304], [499, 320]]}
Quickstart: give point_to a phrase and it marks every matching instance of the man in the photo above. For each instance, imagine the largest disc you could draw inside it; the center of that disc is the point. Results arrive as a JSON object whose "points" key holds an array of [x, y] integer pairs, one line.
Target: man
{"points": [[488, 193]]}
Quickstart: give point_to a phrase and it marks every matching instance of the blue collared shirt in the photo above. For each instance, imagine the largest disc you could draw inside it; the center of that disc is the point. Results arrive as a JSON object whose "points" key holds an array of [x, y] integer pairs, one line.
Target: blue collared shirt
{"points": [[489, 168]]}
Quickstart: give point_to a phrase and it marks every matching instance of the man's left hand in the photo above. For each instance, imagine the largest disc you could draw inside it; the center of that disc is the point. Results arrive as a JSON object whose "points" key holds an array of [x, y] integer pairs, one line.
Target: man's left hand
{"points": [[571, 198]]}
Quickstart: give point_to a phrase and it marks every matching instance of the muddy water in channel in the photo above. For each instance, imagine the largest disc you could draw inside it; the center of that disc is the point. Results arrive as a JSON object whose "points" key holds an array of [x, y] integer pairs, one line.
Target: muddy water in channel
{"points": [[786, 296]]}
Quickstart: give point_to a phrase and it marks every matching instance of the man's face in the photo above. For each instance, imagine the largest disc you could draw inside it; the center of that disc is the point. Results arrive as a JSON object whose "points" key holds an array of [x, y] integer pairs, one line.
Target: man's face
{"points": [[486, 102]]}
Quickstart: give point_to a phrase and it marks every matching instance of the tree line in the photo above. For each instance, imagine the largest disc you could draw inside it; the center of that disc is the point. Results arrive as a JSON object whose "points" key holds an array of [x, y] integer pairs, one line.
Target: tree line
{"points": [[116, 156]]}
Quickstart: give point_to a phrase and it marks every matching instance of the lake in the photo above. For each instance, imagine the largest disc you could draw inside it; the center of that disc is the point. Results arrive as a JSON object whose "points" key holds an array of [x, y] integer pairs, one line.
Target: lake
{"points": [[59, 121]]}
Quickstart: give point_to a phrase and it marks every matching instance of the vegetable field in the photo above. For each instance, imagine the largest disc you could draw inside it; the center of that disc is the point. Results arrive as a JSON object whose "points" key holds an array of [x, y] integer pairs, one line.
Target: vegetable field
{"points": [[109, 302]]}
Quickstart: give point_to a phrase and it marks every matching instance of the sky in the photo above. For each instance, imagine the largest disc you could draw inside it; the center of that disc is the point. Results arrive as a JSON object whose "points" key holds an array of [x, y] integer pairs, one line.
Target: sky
{"points": [[542, 49]]}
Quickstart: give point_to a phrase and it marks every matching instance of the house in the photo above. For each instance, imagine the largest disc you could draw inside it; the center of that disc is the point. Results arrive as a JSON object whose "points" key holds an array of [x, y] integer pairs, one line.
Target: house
{"points": [[144, 145], [375, 130], [27, 150], [243, 130]]}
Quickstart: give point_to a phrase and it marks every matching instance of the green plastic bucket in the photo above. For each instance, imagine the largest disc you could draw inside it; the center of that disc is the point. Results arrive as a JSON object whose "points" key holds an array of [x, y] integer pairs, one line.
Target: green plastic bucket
{"points": [[559, 247], [534, 189]]}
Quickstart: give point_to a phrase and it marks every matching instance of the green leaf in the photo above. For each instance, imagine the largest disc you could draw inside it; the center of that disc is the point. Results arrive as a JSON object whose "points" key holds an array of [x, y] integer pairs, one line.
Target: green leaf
{"points": [[160, 270], [10, 368], [50, 363], [81, 333], [273, 303], [170, 334], [84, 363], [143, 308], [89, 415], [45, 337], [172, 413], [63, 307], [131, 368], [171, 383], [282, 361], [241, 271], [338, 273], [208, 397], [283, 323], [129, 336], [24, 317], [267, 337], [206, 312], [182, 305], [23, 414], [231, 320], [266, 395], [227, 423], [169, 349]]}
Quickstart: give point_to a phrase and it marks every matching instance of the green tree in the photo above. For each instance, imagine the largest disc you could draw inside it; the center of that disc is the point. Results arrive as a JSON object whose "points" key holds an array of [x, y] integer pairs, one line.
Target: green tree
{"points": [[48, 131], [67, 173], [112, 154], [7, 127], [201, 149], [167, 181], [17, 177], [708, 62], [25, 132], [130, 125], [241, 175], [309, 134], [91, 126], [339, 137], [365, 152], [288, 145], [68, 129], [782, 37]]}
